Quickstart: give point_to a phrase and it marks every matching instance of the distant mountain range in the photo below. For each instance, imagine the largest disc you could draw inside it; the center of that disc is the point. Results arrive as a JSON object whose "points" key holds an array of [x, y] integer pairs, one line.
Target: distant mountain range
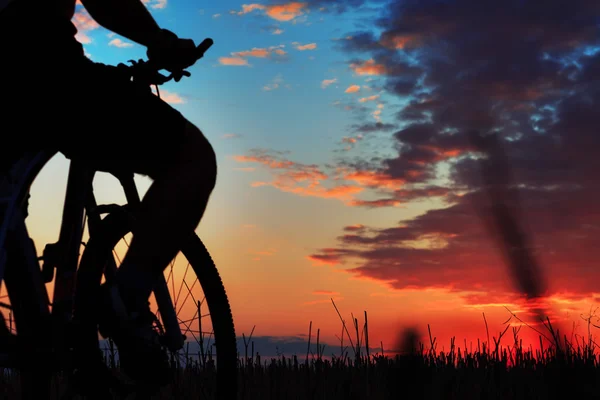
{"points": [[271, 347]]}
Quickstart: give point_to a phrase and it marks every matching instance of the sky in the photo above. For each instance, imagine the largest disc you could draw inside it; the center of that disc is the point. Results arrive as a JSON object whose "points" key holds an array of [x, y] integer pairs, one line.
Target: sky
{"points": [[346, 171]]}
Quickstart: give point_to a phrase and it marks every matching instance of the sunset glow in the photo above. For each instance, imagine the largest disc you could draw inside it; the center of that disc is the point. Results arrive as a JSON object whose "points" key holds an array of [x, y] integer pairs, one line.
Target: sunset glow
{"points": [[345, 171]]}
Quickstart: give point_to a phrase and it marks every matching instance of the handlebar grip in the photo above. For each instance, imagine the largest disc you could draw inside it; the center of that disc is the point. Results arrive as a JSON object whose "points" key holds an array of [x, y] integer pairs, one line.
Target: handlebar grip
{"points": [[202, 47], [152, 68]]}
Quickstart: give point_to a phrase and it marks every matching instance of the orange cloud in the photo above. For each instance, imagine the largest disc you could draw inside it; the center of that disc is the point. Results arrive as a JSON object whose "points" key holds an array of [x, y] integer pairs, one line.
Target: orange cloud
{"points": [[377, 115], [239, 57], [327, 82], [442, 153], [265, 160], [255, 52], [379, 203], [399, 42], [84, 23], [342, 192], [352, 89], [269, 252], [370, 98], [300, 179], [237, 61], [351, 141], [286, 12], [82, 38], [279, 12], [318, 259], [170, 97], [83, 20], [246, 8], [302, 47], [354, 228], [374, 179], [310, 180], [368, 67], [119, 43], [328, 256]]}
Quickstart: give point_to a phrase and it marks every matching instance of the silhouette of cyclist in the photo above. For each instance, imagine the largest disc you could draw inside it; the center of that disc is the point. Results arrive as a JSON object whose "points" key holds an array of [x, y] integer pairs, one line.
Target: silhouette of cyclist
{"points": [[55, 97]]}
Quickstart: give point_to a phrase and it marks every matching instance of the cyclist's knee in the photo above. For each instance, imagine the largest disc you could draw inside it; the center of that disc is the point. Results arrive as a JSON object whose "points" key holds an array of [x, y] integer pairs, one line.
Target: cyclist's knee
{"points": [[199, 155]]}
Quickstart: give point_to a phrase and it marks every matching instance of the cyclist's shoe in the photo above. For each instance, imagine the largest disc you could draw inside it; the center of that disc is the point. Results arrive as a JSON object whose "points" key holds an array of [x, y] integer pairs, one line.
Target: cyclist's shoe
{"points": [[141, 355]]}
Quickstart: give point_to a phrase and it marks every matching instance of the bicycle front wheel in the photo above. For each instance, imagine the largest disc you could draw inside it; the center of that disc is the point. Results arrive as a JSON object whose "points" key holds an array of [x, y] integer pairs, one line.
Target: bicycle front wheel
{"points": [[194, 286]]}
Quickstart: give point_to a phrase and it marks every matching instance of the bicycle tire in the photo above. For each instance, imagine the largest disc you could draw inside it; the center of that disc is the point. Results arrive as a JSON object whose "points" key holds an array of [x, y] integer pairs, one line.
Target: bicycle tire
{"points": [[109, 232]]}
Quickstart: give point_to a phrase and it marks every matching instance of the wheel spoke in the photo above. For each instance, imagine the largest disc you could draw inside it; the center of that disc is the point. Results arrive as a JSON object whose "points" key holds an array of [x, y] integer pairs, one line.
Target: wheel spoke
{"points": [[188, 295], [187, 316], [181, 285]]}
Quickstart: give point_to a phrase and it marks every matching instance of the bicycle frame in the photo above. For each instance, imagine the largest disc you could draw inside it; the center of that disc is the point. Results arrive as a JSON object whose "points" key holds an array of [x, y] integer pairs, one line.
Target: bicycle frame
{"points": [[63, 256]]}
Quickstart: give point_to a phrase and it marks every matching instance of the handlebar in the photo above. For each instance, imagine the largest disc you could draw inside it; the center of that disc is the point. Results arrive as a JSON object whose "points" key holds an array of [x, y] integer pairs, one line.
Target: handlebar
{"points": [[147, 72]]}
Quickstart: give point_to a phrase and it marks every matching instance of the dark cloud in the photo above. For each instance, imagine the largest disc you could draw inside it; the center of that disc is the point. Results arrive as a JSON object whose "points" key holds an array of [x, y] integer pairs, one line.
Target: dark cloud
{"points": [[370, 127], [339, 6], [525, 71], [336, 6], [358, 42], [358, 110], [450, 248]]}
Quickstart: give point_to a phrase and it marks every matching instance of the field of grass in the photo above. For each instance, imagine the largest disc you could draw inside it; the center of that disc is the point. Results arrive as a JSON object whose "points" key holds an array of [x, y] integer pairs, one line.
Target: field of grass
{"points": [[501, 373], [492, 370]]}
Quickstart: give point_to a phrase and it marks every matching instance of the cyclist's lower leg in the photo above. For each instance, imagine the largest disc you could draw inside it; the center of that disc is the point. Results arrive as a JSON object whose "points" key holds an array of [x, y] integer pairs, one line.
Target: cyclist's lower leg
{"points": [[170, 211]]}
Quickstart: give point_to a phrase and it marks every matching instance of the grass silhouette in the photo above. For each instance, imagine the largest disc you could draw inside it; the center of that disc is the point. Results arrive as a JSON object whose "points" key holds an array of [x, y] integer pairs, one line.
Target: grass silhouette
{"points": [[492, 370]]}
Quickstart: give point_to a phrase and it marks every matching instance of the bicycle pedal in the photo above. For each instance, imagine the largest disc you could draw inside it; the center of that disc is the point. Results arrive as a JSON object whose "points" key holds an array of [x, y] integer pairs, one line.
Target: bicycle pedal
{"points": [[173, 345]]}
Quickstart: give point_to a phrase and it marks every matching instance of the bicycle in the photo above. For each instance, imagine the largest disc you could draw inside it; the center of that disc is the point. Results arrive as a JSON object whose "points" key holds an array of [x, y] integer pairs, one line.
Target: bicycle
{"points": [[71, 317]]}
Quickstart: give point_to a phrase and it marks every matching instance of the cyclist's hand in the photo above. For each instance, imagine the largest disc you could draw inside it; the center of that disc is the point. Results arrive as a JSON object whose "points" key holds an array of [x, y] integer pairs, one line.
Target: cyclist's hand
{"points": [[172, 53]]}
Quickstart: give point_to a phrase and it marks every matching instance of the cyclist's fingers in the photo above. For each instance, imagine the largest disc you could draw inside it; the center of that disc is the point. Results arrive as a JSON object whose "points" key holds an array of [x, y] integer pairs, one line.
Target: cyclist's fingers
{"points": [[160, 79]]}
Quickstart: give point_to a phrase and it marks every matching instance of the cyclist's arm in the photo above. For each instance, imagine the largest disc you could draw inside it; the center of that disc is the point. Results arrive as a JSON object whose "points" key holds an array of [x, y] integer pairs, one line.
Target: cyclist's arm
{"points": [[128, 18]]}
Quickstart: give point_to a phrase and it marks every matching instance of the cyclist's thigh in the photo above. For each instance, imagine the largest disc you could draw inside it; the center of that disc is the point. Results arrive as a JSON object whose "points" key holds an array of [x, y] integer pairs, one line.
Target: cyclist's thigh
{"points": [[117, 124]]}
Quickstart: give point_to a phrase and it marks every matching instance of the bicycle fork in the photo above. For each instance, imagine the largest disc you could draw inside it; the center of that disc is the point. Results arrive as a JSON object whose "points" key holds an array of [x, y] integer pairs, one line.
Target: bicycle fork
{"points": [[172, 336]]}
